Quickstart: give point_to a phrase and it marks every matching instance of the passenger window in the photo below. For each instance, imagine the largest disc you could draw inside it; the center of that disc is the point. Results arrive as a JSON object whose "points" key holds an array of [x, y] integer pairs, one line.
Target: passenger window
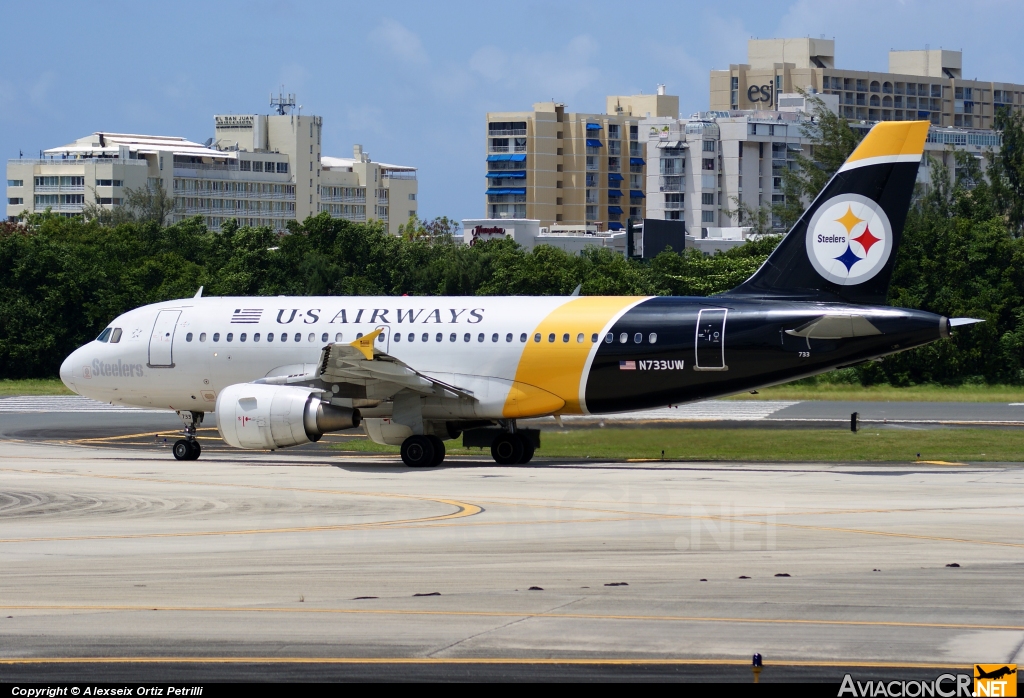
{"points": [[638, 338], [551, 337], [202, 336], [358, 335], [284, 336], [298, 337], [230, 336], [451, 337], [241, 337], [270, 336], [311, 338], [380, 337], [579, 338], [465, 337], [256, 337], [438, 337], [494, 337], [104, 335], [508, 337], [398, 336], [412, 337], [565, 338], [652, 338], [323, 338], [593, 338], [623, 338], [536, 337], [337, 337], [216, 336], [116, 336], [522, 337], [425, 337], [188, 337], [608, 338]]}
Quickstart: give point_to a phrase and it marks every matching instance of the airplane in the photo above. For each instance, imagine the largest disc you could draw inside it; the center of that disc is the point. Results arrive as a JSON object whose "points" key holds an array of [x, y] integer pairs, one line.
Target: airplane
{"points": [[418, 371]]}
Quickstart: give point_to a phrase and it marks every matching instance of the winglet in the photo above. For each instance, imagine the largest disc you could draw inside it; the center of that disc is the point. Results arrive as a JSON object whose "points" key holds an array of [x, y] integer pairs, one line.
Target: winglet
{"points": [[199, 293], [365, 343]]}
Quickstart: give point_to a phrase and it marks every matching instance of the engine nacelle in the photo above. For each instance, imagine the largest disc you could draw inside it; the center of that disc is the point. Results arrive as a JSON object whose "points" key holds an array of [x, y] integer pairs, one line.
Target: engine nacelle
{"points": [[256, 416]]}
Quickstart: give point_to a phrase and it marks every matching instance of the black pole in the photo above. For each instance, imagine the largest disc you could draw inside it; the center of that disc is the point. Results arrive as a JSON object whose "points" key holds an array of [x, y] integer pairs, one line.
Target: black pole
{"points": [[629, 238]]}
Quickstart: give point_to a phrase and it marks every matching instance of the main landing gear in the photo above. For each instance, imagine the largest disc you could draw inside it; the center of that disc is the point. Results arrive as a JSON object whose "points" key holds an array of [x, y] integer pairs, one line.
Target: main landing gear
{"points": [[188, 448], [512, 449], [420, 451]]}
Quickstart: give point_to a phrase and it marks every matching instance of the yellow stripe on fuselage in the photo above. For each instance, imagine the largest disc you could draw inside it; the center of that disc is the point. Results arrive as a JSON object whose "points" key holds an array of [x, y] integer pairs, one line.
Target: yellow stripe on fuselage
{"points": [[549, 373]]}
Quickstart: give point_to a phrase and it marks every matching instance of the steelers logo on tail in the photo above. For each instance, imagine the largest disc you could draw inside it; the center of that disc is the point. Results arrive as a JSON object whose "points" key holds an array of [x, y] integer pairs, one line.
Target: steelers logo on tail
{"points": [[849, 239]]}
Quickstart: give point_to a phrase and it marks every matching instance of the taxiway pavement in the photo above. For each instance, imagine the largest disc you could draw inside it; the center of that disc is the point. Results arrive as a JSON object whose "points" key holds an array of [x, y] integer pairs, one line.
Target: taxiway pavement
{"points": [[124, 564]]}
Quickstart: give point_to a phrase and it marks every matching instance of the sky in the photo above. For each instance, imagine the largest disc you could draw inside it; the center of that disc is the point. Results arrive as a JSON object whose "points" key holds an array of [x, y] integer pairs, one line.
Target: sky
{"points": [[413, 81]]}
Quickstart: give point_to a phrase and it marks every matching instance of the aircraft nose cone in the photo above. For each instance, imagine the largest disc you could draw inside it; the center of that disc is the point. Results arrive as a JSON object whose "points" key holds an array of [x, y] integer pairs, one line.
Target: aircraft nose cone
{"points": [[67, 373]]}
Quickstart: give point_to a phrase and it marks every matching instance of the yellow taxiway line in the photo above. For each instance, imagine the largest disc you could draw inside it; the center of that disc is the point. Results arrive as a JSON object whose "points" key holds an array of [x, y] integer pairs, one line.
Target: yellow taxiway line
{"points": [[574, 661], [506, 614]]}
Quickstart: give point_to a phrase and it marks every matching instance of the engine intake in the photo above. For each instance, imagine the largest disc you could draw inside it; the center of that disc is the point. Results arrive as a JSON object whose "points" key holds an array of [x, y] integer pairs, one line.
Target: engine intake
{"points": [[255, 416]]}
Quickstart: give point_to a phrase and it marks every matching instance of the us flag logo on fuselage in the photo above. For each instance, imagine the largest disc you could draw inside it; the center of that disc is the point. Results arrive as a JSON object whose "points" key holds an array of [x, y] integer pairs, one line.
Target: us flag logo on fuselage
{"points": [[627, 365], [246, 316]]}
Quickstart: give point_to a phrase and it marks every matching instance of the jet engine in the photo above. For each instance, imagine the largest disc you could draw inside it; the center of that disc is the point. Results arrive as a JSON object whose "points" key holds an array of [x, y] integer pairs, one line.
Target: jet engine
{"points": [[256, 416]]}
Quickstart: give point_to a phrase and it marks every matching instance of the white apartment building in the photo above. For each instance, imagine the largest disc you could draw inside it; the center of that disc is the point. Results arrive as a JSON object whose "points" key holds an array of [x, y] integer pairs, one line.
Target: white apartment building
{"points": [[262, 170], [700, 169]]}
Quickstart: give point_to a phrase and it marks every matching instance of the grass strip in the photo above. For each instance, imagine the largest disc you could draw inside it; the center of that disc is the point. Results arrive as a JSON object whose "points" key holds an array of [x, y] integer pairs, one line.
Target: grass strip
{"points": [[33, 386], [811, 445]]}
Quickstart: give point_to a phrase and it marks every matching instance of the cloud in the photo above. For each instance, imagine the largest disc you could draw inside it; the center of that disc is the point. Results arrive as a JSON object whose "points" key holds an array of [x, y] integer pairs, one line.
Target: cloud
{"points": [[560, 74], [395, 41]]}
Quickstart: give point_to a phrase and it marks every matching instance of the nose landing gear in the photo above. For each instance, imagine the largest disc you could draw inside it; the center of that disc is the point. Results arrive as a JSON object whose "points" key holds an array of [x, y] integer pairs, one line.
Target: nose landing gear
{"points": [[188, 448]]}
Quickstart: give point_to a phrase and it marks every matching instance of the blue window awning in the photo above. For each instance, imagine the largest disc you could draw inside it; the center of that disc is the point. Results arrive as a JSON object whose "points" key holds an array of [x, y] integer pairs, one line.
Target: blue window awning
{"points": [[614, 209], [615, 226], [521, 157], [637, 161], [514, 174], [498, 192], [614, 192], [614, 177], [498, 158], [636, 194], [593, 143], [593, 127]]}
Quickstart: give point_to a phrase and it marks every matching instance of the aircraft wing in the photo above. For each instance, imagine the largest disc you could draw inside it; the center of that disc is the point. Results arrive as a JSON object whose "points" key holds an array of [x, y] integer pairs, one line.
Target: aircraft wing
{"points": [[362, 363]]}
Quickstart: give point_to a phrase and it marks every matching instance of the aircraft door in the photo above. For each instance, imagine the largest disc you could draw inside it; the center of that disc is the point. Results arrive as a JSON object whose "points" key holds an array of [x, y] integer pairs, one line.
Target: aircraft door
{"points": [[162, 339], [384, 338], [710, 340]]}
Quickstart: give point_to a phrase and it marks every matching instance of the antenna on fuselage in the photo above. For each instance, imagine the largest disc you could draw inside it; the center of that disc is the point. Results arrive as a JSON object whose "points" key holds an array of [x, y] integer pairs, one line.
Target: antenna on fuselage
{"points": [[199, 293]]}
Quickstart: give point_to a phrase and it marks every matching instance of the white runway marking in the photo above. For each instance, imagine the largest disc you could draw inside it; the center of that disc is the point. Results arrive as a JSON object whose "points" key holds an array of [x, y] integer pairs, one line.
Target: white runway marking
{"points": [[709, 410], [62, 403]]}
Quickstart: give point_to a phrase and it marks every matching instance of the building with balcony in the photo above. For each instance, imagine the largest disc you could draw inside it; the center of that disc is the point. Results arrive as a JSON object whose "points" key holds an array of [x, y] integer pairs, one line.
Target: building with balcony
{"points": [[703, 170], [571, 169], [920, 85], [261, 170]]}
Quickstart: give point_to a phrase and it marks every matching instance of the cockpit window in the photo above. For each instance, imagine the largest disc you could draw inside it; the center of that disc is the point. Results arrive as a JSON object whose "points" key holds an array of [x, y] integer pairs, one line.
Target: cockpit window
{"points": [[104, 335], [115, 337]]}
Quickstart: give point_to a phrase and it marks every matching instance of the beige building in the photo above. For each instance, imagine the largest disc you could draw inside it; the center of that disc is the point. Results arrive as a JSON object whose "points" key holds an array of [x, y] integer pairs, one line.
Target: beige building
{"points": [[568, 169], [262, 170], [920, 85]]}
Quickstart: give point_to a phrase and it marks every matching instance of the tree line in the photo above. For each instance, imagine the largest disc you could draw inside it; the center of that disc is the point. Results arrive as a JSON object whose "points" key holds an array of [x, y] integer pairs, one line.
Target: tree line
{"points": [[63, 279]]}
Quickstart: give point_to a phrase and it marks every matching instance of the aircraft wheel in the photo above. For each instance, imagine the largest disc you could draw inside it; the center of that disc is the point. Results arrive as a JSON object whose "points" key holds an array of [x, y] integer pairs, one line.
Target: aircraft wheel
{"points": [[507, 449], [438, 449], [418, 452], [197, 450], [528, 449], [182, 450]]}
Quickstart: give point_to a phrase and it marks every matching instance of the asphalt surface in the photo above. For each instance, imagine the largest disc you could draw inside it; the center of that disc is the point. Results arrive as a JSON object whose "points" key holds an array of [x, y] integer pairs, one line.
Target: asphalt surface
{"points": [[123, 564]]}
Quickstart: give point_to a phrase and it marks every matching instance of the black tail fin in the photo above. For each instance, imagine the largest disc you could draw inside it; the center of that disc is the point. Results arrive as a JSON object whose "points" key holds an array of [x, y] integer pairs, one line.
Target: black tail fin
{"points": [[844, 246]]}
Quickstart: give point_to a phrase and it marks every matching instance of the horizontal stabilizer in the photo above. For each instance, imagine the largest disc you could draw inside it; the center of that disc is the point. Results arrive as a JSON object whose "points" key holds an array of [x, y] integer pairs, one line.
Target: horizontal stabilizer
{"points": [[836, 327], [958, 321]]}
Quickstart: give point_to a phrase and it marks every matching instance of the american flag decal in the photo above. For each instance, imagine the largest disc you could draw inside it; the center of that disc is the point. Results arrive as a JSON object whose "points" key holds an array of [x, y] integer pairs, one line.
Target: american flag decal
{"points": [[627, 365], [246, 316]]}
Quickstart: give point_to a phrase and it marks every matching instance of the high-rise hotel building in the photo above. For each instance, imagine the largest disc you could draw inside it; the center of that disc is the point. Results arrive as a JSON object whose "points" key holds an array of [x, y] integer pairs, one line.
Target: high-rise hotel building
{"points": [[570, 169], [923, 85], [262, 170]]}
